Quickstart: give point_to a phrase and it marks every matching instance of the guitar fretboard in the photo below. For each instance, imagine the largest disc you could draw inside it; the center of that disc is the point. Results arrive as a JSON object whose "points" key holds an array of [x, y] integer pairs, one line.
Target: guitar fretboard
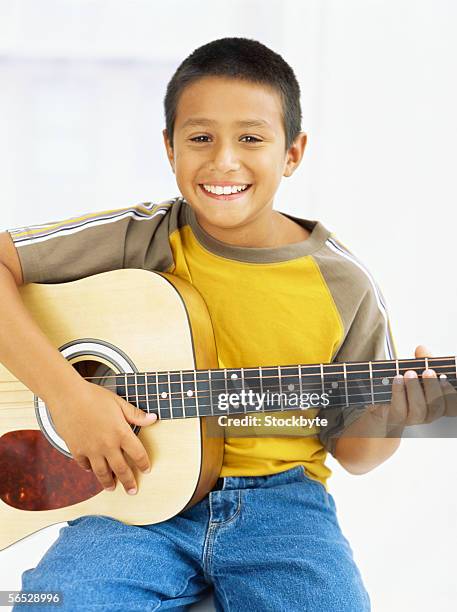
{"points": [[215, 392]]}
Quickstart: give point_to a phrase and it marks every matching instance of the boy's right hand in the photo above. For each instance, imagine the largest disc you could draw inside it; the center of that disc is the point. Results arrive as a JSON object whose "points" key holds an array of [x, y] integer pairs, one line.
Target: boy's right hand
{"points": [[94, 422]]}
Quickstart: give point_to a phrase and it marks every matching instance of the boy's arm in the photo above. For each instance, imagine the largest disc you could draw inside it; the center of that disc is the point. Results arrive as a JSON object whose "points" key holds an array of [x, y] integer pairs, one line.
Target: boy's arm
{"points": [[23, 346], [369, 338], [360, 455]]}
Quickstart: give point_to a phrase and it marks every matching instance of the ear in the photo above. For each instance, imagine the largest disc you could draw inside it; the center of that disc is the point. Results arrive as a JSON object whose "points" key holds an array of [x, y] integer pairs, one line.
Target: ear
{"points": [[170, 154], [294, 154]]}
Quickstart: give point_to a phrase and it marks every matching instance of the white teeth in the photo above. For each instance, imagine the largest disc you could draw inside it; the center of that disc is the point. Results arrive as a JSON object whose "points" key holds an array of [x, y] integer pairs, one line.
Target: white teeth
{"points": [[226, 190]]}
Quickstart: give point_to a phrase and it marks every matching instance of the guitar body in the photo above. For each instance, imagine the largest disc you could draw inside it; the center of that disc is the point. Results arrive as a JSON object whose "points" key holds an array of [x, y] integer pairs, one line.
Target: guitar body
{"points": [[119, 321]]}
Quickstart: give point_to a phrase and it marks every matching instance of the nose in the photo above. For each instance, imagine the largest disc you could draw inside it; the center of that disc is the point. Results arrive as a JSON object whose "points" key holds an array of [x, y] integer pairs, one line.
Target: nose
{"points": [[224, 158]]}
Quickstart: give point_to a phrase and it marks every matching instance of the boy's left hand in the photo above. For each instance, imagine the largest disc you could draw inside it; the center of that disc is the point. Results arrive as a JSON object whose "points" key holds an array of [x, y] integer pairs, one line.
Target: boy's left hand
{"points": [[413, 403]]}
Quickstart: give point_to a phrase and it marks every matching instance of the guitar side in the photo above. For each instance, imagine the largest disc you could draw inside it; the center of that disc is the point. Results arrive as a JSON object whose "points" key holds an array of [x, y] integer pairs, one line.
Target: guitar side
{"points": [[155, 322]]}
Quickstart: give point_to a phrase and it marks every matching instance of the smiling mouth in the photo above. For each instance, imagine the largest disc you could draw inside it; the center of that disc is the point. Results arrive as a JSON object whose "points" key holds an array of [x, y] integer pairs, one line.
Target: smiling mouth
{"points": [[225, 196]]}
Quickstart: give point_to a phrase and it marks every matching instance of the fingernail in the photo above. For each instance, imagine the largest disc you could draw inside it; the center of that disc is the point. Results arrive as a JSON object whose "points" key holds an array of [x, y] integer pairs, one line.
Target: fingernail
{"points": [[151, 417], [398, 379], [111, 488], [146, 471], [131, 491], [443, 376], [410, 374], [428, 372]]}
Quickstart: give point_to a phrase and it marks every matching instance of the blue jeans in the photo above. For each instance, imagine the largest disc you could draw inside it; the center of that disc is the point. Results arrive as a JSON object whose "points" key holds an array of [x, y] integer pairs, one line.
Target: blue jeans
{"points": [[263, 543]]}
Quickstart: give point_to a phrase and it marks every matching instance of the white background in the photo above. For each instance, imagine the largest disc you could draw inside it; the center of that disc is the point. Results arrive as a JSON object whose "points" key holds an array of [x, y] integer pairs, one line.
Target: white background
{"points": [[82, 84]]}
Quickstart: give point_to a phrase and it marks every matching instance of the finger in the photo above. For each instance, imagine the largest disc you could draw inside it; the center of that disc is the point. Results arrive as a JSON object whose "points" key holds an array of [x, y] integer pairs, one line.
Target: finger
{"points": [[422, 351], [83, 462], [417, 406], [450, 396], [398, 412], [436, 405], [123, 471], [103, 472], [136, 451], [135, 415]]}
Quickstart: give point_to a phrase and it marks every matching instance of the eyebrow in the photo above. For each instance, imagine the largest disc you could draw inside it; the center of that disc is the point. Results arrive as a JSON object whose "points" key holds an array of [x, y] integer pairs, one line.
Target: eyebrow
{"points": [[200, 121]]}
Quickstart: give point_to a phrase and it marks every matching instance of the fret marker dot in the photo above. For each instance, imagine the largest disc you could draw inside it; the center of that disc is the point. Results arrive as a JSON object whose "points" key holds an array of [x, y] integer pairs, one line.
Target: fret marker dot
{"points": [[334, 385], [164, 394], [190, 393], [291, 387], [234, 376], [385, 381]]}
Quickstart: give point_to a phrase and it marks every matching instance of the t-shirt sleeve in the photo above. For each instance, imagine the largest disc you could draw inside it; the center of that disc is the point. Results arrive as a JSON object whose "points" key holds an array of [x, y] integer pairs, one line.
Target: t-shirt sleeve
{"points": [[369, 338], [66, 250]]}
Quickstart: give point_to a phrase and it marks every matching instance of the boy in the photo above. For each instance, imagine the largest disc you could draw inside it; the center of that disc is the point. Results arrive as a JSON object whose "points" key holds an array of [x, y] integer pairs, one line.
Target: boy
{"points": [[279, 289]]}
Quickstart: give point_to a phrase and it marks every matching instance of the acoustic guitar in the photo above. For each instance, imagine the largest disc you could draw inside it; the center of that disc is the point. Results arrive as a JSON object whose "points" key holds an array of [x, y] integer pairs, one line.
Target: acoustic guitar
{"points": [[148, 337]]}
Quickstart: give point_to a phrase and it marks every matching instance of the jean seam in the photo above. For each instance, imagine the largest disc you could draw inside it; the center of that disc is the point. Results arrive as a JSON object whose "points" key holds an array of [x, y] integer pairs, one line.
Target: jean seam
{"points": [[210, 537], [207, 552]]}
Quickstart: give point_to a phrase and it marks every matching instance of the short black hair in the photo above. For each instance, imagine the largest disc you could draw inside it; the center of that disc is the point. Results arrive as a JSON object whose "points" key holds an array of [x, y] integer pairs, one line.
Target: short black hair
{"points": [[238, 58]]}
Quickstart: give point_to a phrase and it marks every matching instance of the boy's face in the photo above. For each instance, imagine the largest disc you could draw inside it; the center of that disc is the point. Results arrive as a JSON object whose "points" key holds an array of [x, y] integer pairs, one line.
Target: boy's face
{"points": [[211, 147]]}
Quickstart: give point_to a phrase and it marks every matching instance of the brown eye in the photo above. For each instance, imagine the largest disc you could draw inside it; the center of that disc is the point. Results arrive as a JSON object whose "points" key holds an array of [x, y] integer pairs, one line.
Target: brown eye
{"points": [[196, 137], [254, 139]]}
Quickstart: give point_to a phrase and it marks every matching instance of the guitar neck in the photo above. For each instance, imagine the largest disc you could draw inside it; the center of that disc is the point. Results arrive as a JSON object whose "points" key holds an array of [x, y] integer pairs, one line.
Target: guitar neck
{"points": [[215, 392]]}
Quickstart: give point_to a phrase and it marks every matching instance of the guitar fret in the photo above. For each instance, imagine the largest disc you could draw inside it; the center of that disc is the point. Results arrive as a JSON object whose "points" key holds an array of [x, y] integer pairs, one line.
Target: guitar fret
{"points": [[126, 388], [210, 392], [371, 382], [242, 386], [322, 378], [261, 382], [300, 380], [158, 396], [148, 410], [346, 384], [280, 388], [196, 394], [182, 394], [136, 388], [169, 396], [396, 365]]}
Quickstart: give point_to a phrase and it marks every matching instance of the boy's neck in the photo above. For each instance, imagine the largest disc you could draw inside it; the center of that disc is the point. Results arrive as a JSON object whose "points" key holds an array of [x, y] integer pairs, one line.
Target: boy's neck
{"points": [[270, 230]]}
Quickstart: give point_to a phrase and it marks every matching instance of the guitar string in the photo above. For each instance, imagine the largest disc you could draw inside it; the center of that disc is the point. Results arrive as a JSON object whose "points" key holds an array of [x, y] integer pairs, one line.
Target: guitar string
{"points": [[265, 377], [121, 380], [150, 383], [201, 395]]}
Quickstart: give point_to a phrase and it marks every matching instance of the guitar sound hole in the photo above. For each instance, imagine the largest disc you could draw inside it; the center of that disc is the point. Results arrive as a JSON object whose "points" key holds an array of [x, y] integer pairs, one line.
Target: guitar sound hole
{"points": [[96, 373]]}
